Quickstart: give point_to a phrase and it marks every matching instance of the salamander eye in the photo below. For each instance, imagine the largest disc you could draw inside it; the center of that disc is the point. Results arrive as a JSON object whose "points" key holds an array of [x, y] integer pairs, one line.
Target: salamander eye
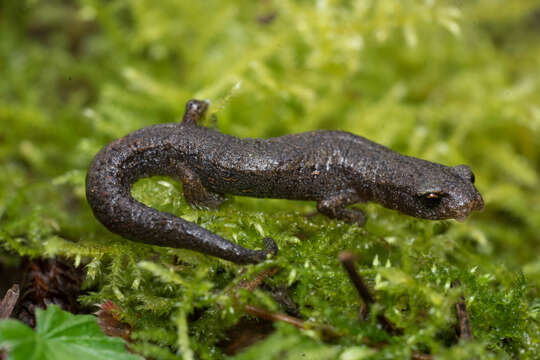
{"points": [[464, 172], [432, 199]]}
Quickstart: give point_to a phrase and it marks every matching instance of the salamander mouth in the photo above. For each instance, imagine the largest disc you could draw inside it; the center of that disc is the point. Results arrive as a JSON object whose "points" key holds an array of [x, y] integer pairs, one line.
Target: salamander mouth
{"points": [[477, 204]]}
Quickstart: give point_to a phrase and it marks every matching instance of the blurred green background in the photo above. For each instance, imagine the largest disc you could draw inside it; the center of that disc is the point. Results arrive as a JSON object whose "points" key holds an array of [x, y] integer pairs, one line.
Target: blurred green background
{"points": [[449, 81]]}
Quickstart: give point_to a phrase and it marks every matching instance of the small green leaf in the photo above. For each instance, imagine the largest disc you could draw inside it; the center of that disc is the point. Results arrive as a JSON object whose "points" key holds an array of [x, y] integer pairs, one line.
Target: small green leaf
{"points": [[14, 332], [60, 335]]}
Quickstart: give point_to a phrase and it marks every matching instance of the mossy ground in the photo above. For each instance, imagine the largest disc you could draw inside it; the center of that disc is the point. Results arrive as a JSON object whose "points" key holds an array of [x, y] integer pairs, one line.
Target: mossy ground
{"points": [[449, 81]]}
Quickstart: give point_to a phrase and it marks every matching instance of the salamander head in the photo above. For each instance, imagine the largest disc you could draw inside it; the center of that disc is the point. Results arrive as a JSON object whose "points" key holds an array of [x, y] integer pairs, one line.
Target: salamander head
{"points": [[447, 193], [436, 192]]}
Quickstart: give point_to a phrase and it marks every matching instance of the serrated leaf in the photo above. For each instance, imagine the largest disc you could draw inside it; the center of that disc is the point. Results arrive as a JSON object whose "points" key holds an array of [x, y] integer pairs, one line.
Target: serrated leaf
{"points": [[60, 335]]}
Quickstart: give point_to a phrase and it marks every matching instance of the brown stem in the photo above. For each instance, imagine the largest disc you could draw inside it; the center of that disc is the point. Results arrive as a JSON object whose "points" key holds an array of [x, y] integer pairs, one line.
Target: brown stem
{"points": [[328, 333], [465, 327], [347, 259], [249, 285], [273, 316]]}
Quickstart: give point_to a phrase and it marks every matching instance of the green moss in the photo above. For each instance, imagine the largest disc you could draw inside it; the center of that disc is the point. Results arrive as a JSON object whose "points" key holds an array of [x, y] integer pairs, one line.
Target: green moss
{"points": [[442, 80]]}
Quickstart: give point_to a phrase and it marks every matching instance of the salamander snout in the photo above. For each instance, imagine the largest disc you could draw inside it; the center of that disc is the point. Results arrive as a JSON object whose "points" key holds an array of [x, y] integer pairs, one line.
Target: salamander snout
{"points": [[474, 203], [465, 194]]}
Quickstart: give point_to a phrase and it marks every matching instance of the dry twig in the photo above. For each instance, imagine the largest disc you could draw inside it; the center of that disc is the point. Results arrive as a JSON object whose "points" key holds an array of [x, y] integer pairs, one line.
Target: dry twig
{"points": [[9, 301], [347, 259], [465, 328]]}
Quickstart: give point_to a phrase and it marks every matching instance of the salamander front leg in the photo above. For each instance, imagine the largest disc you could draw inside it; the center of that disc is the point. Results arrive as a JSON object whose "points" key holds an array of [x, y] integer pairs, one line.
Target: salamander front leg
{"points": [[334, 206]]}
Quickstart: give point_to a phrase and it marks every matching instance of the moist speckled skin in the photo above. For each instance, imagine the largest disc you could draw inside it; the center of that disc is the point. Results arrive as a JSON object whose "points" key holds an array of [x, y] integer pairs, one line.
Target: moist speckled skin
{"points": [[333, 168]]}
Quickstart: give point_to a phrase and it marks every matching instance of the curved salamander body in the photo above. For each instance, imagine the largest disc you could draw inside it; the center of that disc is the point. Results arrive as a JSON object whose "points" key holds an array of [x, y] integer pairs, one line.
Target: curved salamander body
{"points": [[333, 168]]}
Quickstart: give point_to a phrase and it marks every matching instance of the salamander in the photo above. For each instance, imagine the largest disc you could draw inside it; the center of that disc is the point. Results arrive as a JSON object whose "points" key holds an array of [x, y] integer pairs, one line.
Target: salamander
{"points": [[333, 168]]}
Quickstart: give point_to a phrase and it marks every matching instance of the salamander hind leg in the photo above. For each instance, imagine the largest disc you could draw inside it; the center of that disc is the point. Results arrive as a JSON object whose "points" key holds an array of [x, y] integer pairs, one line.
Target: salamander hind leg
{"points": [[197, 194], [194, 112], [335, 206]]}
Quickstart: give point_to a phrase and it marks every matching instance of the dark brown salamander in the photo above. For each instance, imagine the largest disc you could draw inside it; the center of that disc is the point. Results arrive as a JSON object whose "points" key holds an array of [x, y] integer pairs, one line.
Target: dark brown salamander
{"points": [[333, 168]]}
